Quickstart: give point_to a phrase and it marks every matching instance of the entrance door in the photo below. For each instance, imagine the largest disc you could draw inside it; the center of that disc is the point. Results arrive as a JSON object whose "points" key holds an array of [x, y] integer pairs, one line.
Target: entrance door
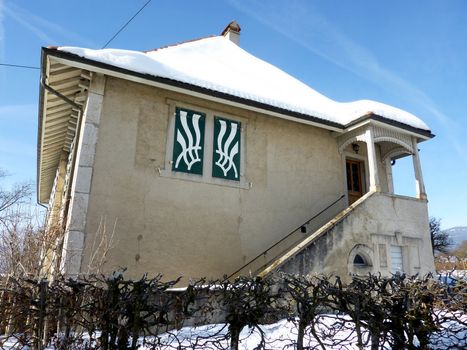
{"points": [[354, 179]]}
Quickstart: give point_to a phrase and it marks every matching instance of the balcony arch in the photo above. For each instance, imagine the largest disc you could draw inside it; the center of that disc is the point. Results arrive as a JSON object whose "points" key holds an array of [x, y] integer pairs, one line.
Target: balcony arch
{"points": [[384, 144]]}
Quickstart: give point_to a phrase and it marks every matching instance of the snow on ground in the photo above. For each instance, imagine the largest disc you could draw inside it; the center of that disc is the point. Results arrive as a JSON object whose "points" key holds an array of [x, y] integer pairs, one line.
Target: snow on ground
{"points": [[217, 64], [457, 274], [282, 335], [279, 335]]}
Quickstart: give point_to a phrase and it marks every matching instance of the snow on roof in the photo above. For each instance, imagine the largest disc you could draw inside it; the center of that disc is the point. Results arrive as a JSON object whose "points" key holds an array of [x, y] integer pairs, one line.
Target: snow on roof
{"points": [[217, 64]]}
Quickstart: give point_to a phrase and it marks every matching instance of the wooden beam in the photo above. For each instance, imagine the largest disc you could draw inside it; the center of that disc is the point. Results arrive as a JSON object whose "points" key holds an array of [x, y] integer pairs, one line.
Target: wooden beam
{"points": [[69, 94], [64, 83], [57, 108], [84, 84], [53, 133], [55, 115], [86, 74], [58, 121], [57, 127], [50, 145], [54, 137], [58, 66], [64, 73]]}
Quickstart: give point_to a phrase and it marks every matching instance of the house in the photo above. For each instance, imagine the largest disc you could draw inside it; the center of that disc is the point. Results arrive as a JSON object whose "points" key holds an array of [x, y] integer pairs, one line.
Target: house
{"points": [[200, 159]]}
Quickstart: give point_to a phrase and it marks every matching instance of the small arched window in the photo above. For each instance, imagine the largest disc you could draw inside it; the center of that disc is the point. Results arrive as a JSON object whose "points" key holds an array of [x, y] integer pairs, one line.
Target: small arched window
{"points": [[359, 260]]}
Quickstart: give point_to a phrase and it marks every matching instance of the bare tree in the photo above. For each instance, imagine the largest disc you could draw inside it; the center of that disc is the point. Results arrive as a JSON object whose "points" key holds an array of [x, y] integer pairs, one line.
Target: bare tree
{"points": [[12, 197], [440, 240], [104, 242], [20, 235]]}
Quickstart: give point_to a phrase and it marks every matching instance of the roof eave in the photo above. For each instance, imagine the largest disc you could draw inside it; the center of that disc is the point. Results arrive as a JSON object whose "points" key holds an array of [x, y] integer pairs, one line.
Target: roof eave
{"points": [[422, 133], [334, 126], [49, 146], [41, 108]]}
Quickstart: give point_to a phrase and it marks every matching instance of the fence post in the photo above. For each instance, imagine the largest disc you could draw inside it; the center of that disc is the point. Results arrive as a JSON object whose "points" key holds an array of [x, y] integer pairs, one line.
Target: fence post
{"points": [[41, 310]]}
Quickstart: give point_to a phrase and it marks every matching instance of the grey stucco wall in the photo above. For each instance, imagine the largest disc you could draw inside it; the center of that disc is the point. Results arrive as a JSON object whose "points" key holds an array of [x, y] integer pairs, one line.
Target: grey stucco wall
{"points": [[182, 227]]}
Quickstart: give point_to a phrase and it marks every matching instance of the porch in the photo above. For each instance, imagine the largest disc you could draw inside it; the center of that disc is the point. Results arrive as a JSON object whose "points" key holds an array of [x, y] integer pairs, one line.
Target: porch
{"points": [[378, 231], [368, 154]]}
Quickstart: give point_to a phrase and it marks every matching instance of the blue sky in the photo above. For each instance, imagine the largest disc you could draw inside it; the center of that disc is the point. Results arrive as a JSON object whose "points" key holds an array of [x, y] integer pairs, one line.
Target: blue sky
{"points": [[410, 54]]}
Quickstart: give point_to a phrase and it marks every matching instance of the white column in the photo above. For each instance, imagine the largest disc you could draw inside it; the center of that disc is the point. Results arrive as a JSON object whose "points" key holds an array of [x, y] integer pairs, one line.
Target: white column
{"points": [[389, 175], [372, 165], [81, 187], [420, 186]]}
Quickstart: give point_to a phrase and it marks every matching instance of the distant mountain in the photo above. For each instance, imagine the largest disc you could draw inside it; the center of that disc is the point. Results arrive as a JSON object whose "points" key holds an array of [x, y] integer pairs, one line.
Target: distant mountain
{"points": [[458, 234]]}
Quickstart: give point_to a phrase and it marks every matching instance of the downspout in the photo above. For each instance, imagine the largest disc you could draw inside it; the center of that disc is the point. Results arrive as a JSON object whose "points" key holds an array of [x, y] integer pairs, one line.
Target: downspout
{"points": [[63, 97]]}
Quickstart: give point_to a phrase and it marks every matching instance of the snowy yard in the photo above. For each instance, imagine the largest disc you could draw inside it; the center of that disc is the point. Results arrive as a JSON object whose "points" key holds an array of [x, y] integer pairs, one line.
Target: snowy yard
{"points": [[391, 312], [279, 335]]}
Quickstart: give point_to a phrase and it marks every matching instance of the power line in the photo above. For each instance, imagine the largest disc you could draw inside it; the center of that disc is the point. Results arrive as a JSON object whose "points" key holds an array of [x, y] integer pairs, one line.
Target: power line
{"points": [[17, 66], [124, 26], [107, 43]]}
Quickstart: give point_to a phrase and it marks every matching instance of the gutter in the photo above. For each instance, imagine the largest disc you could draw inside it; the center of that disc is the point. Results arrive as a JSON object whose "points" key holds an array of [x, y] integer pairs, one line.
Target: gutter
{"points": [[39, 127], [58, 94]]}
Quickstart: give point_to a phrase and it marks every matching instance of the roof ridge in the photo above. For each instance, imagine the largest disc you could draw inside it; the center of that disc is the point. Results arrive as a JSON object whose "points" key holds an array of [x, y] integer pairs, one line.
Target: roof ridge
{"points": [[181, 43]]}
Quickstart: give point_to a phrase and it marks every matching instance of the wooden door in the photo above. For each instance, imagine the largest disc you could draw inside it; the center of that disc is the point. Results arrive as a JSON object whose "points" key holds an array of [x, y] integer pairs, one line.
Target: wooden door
{"points": [[354, 179]]}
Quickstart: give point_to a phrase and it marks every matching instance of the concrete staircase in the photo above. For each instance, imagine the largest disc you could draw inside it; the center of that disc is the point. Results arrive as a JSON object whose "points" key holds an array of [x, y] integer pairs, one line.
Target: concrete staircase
{"points": [[301, 250], [373, 228], [295, 241]]}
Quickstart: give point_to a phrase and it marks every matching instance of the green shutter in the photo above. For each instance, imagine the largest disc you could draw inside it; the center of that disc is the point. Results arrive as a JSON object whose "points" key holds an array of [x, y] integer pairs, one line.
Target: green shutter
{"points": [[226, 150], [188, 141]]}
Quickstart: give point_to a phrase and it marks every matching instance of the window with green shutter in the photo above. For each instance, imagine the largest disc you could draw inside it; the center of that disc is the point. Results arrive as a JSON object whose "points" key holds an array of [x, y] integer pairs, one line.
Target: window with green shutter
{"points": [[226, 149], [189, 141]]}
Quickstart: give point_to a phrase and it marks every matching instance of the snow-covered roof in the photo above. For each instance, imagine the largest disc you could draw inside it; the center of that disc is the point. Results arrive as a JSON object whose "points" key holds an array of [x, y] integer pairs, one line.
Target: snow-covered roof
{"points": [[217, 64]]}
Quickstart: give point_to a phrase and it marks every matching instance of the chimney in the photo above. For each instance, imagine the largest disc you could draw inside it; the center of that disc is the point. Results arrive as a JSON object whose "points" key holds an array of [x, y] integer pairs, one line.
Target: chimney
{"points": [[232, 32]]}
